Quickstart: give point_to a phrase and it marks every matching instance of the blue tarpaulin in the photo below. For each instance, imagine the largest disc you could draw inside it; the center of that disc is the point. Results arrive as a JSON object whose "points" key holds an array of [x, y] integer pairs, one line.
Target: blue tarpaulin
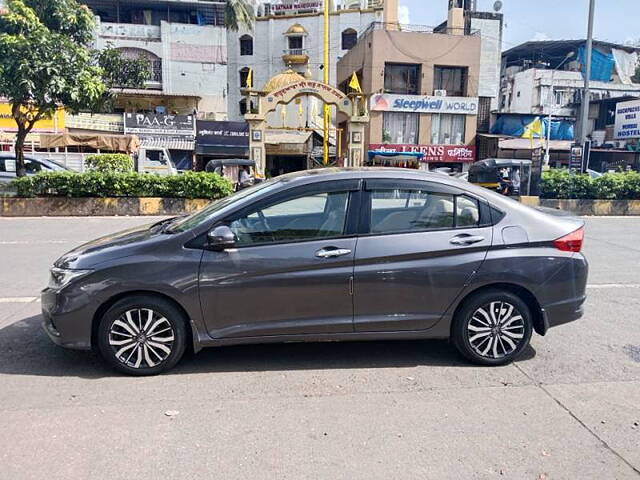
{"points": [[601, 64], [516, 125]]}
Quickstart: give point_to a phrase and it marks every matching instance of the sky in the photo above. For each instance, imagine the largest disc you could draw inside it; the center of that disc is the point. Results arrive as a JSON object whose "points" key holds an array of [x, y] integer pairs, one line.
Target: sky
{"points": [[615, 20]]}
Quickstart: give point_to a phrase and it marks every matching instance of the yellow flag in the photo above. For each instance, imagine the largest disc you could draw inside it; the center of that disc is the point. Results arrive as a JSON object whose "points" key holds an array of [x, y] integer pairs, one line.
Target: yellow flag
{"points": [[250, 78], [533, 129], [355, 83]]}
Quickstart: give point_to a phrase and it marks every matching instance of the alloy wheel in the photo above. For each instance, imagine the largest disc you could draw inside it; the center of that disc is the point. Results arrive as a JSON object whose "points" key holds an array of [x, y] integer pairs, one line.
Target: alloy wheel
{"points": [[141, 338], [496, 329]]}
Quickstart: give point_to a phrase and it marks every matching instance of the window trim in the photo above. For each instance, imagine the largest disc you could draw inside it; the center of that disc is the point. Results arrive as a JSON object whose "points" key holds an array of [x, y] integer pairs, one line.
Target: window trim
{"points": [[245, 39], [352, 187]]}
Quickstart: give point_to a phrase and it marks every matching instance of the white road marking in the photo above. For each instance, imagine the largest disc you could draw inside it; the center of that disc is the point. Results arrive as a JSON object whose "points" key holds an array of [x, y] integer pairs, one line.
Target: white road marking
{"points": [[614, 285], [40, 242], [19, 299]]}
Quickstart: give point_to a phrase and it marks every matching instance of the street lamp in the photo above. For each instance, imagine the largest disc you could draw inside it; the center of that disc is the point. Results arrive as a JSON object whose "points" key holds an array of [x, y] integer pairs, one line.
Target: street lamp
{"points": [[547, 156]]}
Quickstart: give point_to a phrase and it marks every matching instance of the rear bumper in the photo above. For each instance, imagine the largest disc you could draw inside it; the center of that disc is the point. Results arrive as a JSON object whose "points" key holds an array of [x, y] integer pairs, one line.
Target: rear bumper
{"points": [[563, 312]]}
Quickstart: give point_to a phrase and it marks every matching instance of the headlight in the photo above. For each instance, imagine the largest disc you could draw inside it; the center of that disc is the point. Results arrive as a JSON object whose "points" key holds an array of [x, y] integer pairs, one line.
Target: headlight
{"points": [[61, 277]]}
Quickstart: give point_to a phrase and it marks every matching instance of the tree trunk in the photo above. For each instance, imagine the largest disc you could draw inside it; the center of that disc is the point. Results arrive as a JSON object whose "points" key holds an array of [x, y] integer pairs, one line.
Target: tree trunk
{"points": [[21, 137]]}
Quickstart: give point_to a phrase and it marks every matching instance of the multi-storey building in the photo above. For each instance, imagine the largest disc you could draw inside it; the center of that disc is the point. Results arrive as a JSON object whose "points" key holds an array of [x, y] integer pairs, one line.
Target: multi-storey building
{"points": [[185, 43], [290, 34], [424, 85]]}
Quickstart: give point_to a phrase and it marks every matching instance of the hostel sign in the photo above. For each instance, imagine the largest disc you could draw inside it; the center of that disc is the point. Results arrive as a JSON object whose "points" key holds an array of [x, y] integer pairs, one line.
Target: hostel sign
{"points": [[424, 104], [627, 120]]}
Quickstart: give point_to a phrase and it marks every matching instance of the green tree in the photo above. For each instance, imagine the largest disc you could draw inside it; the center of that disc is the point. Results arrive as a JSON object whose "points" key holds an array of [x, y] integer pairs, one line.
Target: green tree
{"points": [[118, 73], [239, 13], [45, 62]]}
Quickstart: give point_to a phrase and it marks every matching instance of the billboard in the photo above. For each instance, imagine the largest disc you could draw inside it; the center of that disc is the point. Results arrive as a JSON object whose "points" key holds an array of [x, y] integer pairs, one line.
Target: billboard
{"points": [[387, 102], [627, 120], [144, 124], [432, 153]]}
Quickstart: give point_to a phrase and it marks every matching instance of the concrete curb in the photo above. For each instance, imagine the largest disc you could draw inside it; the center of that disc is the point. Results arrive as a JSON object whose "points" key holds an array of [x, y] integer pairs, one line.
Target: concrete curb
{"points": [[587, 207], [85, 207]]}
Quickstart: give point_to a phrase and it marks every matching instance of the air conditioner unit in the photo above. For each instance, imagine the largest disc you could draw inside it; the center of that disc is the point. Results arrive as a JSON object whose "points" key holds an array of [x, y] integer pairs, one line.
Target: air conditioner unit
{"points": [[440, 93]]}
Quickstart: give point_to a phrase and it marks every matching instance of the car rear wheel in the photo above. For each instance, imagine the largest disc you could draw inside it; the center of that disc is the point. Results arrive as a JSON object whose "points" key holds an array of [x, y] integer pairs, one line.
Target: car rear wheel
{"points": [[142, 335], [492, 328]]}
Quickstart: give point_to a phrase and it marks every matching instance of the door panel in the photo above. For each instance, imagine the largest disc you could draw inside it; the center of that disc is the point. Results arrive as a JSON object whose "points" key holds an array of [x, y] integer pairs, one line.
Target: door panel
{"points": [[278, 290], [291, 273], [424, 242], [407, 281]]}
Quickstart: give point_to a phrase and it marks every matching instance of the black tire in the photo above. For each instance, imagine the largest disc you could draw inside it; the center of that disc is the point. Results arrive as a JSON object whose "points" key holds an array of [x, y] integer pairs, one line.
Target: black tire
{"points": [[169, 322], [469, 333]]}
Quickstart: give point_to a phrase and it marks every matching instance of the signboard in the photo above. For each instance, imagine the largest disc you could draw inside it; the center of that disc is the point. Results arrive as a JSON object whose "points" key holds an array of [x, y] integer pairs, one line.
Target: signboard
{"points": [[575, 158], [223, 134], [54, 124], [142, 124], [432, 153], [627, 120], [419, 104], [296, 6]]}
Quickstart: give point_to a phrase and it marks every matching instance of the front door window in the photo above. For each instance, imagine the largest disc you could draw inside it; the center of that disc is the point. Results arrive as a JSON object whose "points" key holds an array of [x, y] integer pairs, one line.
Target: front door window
{"points": [[310, 217]]}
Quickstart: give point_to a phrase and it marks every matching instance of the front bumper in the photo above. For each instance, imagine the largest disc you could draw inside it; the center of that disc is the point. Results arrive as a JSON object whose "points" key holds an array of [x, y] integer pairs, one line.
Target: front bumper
{"points": [[67, 318]]}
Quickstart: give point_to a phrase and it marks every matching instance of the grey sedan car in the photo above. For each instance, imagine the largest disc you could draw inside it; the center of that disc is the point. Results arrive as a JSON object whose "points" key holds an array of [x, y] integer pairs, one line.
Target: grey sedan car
{"points": [[324, 255]]}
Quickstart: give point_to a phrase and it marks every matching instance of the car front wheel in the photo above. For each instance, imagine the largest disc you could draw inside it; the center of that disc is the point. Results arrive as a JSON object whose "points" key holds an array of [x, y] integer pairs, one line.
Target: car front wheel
{"points": [[492, 328], [142, 335]]}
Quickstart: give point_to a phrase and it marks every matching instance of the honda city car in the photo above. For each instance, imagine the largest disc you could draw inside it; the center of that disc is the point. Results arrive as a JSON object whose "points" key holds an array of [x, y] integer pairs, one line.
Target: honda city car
{"points": [[324, 255]]}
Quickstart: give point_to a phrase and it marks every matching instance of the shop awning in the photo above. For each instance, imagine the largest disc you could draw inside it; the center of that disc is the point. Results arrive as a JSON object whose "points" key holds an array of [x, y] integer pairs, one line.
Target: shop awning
{"points": [[527, 144], [113, 143], [168, 142], [402, 155]]}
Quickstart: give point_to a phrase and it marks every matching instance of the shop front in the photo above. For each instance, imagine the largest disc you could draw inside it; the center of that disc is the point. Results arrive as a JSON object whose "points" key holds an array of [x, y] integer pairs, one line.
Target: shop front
{"points": [[163, 136], [220, 140], [457, 158]]}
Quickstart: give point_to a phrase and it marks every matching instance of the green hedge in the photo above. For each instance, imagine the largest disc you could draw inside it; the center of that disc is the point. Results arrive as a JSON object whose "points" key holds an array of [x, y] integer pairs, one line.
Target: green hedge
{"points": [[110, 163], [95, 184], [611, 186]]}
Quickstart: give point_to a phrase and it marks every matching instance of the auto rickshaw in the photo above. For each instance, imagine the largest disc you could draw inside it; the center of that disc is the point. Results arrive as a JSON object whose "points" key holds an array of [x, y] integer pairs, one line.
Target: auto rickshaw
{"points": [[231, 169], [509, 176]]}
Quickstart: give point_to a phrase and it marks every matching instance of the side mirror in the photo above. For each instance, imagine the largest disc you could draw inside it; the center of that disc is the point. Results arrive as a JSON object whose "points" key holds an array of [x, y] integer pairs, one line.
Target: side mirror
{"points": [[221, 238]]}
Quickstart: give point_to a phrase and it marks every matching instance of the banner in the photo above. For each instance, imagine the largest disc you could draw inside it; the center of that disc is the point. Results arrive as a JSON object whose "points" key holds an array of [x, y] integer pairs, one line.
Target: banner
{"points": [[627, 120], [55, 124], [420, 104], [159, 124], [432, 153]]}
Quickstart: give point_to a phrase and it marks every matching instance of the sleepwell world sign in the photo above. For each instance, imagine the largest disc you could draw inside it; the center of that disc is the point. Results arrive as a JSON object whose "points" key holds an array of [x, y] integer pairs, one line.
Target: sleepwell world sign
{"points": [[387, 102], [627, 120]]}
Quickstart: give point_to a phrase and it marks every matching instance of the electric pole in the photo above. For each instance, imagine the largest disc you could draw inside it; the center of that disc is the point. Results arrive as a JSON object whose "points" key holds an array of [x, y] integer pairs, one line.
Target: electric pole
{"points": [[584, 115]]}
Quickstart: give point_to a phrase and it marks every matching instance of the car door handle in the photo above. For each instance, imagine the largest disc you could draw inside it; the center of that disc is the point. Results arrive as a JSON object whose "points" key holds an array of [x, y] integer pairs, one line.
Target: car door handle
{"points": [[332, 252], [466, 239]]}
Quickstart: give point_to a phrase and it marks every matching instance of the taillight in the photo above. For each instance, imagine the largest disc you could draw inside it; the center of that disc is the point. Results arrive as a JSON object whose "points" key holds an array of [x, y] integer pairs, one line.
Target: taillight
{"points": [[571, 242]]}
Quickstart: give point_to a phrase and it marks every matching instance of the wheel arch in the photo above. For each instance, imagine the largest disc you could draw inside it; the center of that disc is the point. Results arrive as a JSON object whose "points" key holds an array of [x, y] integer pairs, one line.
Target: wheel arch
{"points": [[106, 305], [523, 293]]}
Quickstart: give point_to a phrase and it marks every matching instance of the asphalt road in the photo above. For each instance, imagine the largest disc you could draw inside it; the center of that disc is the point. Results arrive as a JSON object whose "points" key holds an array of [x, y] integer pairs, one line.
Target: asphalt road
{"points": [[569, 409]]}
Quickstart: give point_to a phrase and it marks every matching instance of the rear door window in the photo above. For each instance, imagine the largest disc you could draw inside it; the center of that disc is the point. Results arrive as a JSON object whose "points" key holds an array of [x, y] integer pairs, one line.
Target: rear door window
{"points": [[409, 210]]}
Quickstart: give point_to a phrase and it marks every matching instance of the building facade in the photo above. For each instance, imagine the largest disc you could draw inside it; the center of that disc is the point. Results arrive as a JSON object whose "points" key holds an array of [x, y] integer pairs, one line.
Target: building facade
{"points": [[424, 94], [289, 34]]}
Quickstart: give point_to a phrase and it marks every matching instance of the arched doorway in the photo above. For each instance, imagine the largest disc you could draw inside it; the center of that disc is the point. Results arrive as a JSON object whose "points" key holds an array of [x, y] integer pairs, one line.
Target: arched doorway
{"points": [[262, 103]]}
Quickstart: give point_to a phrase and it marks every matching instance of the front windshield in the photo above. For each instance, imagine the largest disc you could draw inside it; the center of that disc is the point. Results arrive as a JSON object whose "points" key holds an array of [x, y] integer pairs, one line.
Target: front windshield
{"points": [[187, 223]]}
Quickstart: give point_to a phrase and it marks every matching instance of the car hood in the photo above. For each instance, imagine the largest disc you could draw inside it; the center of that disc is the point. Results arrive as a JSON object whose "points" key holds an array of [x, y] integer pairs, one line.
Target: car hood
{"points": [[111, 247]]}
